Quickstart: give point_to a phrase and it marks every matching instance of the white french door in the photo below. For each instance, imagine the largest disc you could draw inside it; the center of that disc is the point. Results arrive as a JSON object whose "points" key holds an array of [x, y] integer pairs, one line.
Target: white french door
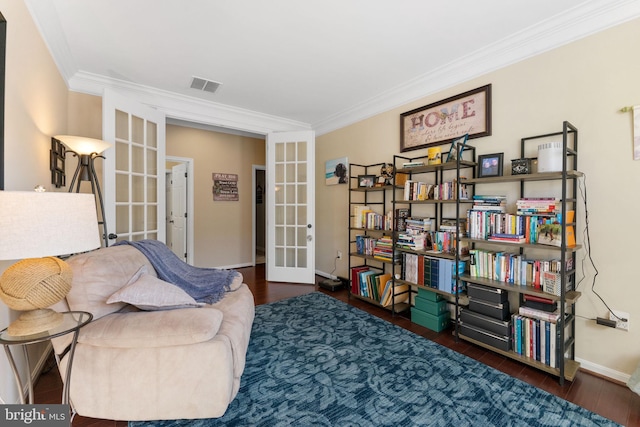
{"points": [[134, 168], [291, 207]]}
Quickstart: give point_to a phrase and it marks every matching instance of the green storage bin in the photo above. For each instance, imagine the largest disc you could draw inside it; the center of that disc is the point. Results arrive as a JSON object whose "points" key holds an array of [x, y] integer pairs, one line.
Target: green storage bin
{"points": [[428, 295], [431, 307], [429, 321]]}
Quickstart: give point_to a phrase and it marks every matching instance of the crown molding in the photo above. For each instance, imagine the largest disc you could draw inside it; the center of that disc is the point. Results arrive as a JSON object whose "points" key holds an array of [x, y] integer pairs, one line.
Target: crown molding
{"points": [[584, 20], [186, 108]]}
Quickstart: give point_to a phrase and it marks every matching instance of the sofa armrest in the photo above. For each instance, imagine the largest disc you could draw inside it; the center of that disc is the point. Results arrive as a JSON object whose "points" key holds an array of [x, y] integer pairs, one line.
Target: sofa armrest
{"points": [[152, 328]]}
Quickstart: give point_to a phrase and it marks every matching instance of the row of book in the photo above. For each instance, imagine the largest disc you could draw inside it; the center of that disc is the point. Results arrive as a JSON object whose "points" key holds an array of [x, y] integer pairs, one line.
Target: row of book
{"points": [[377, 286], [418, 190], [517, 269], [535, 335], [364, 217], [432, 272], [517, 228]]}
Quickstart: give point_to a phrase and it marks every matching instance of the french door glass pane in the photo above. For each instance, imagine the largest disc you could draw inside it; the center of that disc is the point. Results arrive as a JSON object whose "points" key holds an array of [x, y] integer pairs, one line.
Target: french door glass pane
{"points": [[122, 187], [137, 188], [122, 125], [122, 156], [137, 128]]}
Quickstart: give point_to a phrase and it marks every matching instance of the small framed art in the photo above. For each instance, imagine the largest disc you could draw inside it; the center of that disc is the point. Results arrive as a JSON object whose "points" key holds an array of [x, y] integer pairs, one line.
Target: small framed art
{"points": [[366, 181], [490, 165]]}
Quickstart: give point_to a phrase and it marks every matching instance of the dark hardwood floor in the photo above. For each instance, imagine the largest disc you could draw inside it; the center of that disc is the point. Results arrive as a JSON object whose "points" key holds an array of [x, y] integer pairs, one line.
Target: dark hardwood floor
{"points": [[604, 397]]}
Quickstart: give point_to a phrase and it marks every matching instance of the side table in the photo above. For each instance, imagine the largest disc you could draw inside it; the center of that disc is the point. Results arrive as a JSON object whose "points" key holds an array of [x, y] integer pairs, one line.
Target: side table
{"points": [[72, 322]]}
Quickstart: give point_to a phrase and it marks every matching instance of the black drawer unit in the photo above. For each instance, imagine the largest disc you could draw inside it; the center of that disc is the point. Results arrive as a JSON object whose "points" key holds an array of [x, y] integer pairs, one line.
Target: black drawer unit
{"points": [[490, 324], [487, 293], [494, 340], [495, 310]]}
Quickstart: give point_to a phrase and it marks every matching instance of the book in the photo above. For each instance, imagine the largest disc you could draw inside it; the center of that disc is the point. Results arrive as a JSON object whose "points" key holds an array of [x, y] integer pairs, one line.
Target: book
{"points": [[551, 283], [539, 314]]}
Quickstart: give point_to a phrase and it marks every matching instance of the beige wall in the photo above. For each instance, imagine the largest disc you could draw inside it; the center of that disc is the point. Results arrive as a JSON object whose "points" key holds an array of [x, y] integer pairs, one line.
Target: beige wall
{"points": [[222, 230], [35, 110], [586, 83]]}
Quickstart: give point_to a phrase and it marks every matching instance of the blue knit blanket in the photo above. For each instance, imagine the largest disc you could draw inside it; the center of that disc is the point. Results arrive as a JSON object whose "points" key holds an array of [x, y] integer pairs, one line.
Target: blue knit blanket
{"points": [[206, 285]]}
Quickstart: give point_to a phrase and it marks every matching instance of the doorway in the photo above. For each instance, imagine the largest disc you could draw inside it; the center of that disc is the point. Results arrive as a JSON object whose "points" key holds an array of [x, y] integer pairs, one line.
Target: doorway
{"points": [[259, 214], [179, 211]]}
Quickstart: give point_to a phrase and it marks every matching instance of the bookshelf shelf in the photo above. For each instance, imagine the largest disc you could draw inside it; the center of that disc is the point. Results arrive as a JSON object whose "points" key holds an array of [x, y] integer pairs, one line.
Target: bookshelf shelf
{"points": [[571, 367], [369, 272], [530, 344], [575, 248], [570, 296]]}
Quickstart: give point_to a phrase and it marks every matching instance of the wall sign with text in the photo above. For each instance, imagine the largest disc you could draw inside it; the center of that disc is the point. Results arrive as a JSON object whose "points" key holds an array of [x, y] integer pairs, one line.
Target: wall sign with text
{"points": [[225, 187], [440, 122]]}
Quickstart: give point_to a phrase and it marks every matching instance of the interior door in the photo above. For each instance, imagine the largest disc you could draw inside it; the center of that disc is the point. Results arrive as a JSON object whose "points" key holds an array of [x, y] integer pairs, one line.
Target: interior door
{"points": [[134, 169], [178, 214], [291, 207]]}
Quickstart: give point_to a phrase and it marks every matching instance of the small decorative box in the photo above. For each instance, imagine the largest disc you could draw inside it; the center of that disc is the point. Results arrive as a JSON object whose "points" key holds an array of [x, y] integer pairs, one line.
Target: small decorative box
{"points": [[520, 166]]}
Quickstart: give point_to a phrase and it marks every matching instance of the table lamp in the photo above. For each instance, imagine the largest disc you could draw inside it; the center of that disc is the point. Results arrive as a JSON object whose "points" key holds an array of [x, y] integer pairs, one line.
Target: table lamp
{"points": [[35, 225]]}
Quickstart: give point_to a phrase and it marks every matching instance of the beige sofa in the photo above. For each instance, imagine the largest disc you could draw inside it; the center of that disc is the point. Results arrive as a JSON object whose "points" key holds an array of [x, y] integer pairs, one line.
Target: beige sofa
{"points": [[131, 364]]}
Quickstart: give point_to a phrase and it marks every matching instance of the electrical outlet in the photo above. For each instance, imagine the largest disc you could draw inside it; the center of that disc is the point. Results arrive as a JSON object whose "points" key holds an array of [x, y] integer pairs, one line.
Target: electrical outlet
{"points": [[339, 256], [619, 323]]}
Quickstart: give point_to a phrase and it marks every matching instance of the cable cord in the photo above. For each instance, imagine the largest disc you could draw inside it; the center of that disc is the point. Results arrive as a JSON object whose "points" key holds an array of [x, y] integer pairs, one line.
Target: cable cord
{"points": [[587, 240]]}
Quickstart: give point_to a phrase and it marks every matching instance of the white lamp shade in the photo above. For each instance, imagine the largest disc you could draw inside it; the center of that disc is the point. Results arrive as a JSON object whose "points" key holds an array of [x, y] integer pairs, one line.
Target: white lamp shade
{"points": [[34, 224], [82, 145]]}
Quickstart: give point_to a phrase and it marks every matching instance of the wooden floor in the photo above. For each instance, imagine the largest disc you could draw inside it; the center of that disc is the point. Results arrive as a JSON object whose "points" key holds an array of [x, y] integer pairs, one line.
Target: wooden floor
{"points": [[611, 400]]}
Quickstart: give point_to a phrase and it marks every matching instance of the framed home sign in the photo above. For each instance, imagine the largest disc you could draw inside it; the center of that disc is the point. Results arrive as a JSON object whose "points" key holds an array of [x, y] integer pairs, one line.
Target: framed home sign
{"points": [[466, 113]]}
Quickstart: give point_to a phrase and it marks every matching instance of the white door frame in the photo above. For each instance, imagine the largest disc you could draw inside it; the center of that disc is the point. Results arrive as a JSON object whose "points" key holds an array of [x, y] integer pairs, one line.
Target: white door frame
{"points": [[254, 233], [190, 204]]}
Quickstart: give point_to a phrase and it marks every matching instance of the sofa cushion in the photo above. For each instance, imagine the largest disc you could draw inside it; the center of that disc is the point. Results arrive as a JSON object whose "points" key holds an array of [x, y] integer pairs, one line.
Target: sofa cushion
{"points": [[152, 329], [100, 273], [150, 293]]}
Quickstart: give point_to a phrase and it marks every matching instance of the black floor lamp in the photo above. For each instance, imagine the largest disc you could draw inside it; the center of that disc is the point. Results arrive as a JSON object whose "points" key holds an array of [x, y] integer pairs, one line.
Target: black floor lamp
{"points": [[87, 150]]}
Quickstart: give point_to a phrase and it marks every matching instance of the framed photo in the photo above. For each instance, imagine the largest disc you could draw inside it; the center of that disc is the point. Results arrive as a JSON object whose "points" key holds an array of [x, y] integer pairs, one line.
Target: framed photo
{"points": [[366, 181], [455, 152], [490, 165], [468, 112]]}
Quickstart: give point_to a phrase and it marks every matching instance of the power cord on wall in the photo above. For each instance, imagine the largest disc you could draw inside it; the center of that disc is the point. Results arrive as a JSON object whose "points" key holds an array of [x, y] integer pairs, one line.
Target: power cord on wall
{"points": [[587, 239]]}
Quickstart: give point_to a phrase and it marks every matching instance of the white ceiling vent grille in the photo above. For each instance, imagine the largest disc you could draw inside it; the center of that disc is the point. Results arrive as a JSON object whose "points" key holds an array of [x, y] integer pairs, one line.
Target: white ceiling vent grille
{"points": [[204, 84]]}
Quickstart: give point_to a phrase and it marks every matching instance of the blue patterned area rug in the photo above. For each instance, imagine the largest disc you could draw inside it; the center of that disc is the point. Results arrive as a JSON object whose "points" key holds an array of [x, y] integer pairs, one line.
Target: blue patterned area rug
{"points": [[316, 361]]}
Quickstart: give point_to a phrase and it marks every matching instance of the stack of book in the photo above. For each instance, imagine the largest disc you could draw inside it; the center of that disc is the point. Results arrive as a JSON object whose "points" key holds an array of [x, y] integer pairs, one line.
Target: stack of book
{"points": [[489, 203], [383, 250], [412, 164], [538, 206]]}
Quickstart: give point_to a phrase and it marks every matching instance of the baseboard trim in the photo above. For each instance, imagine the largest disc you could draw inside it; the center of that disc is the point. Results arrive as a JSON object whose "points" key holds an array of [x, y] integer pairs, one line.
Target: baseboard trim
{"points": [[603, 371]]}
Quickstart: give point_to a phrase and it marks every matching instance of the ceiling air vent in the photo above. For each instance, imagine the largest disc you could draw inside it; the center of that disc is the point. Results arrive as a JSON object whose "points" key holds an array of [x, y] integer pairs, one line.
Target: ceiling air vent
{"points": [[204, 84]]}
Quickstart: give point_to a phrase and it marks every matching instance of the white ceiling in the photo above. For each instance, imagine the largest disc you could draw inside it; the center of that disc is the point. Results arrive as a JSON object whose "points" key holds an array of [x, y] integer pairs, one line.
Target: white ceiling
{"points": [[295, 64]]}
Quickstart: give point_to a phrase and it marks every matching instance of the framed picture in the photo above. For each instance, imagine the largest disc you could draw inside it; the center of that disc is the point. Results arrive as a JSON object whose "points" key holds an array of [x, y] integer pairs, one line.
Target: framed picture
{"points": [[336, 171], [366, 181], [56, 163], [468, 112], [490, 165], [455, 152]]}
